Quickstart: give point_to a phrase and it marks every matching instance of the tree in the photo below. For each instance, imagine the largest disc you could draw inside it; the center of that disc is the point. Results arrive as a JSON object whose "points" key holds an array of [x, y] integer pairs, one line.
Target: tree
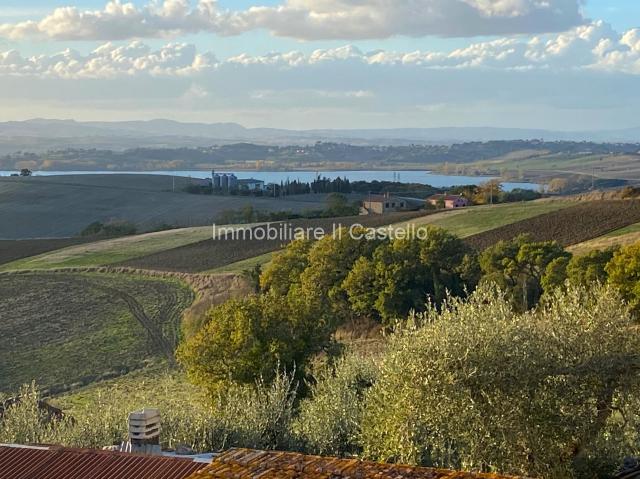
{"points": [[558, 185], [624, 274], [518, 266], [548, 393], [406, 273], [591, 267], [555, 274], [252, 338], [252, 275], [330, 261], [488, 193], [329, 420], [338, 205], [285, 268], [248, 214], [26, 172]]}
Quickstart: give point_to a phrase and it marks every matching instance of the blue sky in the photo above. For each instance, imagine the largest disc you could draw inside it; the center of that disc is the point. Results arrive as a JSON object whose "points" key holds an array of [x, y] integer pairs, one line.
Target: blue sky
{"points": [[561, 64]]}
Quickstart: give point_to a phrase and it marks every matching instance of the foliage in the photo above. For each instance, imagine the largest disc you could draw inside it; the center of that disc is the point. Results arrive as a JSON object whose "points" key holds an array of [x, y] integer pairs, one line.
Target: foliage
{"points": [[590, 268], [110, 229], [285, 268], [329, 420], [248, 339], [26, 172], [330, 260], [555, 274], [488, 193], [542, 393], [252, 275], [338, 205], [257, 417], [518, 266], [406, 273], [624, 274]]}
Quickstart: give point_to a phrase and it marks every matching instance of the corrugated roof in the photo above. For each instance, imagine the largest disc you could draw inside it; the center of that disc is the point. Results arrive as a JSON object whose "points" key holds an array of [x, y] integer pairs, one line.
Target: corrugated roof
{"points": [[20, 462], [251, 464]]}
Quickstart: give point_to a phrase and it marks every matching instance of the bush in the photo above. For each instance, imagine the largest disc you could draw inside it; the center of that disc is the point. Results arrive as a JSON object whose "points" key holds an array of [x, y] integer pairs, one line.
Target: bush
{"points": [[110, 229], [329, 421], [258, 416], [249, 339], [548, 393]]}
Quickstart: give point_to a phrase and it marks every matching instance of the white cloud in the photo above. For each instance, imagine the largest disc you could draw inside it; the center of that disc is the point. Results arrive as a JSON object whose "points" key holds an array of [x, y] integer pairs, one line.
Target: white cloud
{"points": [[591, 47], [587, 76], [110, 61], [305, 19]]}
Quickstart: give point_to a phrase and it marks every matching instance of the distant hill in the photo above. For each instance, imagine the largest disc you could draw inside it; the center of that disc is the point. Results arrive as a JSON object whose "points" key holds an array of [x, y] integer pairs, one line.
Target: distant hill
{"points": [[38, 134]]}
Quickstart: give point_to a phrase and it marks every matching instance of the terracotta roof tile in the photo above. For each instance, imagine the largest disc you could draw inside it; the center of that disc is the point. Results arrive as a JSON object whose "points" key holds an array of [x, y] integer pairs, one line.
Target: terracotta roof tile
{"points": [[17, 462], [252, 464]]}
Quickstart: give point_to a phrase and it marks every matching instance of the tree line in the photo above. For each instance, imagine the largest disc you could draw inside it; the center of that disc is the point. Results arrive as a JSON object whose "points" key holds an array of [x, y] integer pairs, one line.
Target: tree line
{"points": [[311, 288]]}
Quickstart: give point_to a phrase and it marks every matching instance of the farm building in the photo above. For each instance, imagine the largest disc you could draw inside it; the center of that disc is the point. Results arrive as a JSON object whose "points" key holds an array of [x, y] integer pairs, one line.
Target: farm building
{"points": [[251, 184], [381, 204], [449, 201]]}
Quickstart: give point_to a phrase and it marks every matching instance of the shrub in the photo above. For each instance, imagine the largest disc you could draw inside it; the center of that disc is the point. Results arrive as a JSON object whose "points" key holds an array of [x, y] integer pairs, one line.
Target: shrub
{"points": [[110, 229], [257, 416], [329, 420], [547, 393]]}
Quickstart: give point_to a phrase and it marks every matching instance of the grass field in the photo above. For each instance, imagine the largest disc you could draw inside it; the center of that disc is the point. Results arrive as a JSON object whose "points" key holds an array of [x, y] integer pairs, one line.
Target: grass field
{"points": [[244, 265], [471, 221], [106, 252], [12, 250], [140, 250], [532, 163], [211, 254], [64, 329], [62, 206], [159, 380]]}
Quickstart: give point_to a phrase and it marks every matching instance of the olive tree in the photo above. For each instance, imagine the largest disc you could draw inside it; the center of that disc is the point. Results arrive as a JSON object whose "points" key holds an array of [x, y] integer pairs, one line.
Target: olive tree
{"points": [[547, 393], [329, 419]]}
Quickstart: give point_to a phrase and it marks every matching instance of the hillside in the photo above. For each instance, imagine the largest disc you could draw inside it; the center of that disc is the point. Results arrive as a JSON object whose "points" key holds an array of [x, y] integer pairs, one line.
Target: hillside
{"points": [[62, 206], [70, 329], [622, 237], [568, 226], [97, 252]]}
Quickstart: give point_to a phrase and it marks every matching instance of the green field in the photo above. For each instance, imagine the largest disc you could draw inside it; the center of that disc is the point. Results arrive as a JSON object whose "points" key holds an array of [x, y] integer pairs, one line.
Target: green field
{"points": [[111, 251], [240, 266], [478, 219], [140, 387], [65, 330], [622, 237], [464, 223]]}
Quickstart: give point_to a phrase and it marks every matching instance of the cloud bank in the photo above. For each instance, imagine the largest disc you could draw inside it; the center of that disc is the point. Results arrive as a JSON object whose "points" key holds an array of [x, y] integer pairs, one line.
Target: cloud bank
{"points": [[305, 19], [591, 47]]}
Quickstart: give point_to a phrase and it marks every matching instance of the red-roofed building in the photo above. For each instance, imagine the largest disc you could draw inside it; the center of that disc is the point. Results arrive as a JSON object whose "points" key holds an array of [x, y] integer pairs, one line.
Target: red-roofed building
{"points": [[53, 462], [449, 201]]}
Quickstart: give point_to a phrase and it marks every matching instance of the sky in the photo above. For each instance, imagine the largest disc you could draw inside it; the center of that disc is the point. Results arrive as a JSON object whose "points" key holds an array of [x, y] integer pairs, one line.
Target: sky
{"points": [[552, 64]]}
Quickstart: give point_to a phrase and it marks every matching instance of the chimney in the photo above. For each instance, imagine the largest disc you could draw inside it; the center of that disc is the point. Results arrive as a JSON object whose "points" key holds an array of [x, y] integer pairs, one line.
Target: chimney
{"points": [[144, 431]]}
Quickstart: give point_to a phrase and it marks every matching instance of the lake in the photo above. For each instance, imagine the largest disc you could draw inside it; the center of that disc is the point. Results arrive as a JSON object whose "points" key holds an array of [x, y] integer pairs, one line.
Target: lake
{"points": [[406, 176]]}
